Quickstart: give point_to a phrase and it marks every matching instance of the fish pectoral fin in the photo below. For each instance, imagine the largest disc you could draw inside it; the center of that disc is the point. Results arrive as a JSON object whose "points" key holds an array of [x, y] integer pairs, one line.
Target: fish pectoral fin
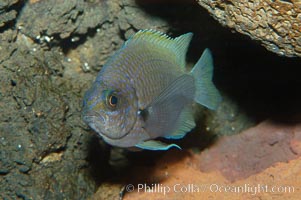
{"points": [[164, 112], [186, 123], [155, 145]]}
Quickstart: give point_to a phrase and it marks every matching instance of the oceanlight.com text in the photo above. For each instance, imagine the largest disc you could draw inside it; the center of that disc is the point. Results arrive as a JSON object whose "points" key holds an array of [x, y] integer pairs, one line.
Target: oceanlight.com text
{"points": [[214, 188]]}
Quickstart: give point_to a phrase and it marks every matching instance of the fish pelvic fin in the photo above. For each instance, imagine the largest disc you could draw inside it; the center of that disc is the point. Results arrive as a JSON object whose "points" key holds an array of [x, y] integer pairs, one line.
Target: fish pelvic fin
{"points": [[178, 46], [206, 93]]}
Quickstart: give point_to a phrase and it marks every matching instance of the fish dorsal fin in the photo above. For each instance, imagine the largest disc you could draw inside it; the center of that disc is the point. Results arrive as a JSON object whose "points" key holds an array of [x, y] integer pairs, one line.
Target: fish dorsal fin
{"points": [[178, 46]]}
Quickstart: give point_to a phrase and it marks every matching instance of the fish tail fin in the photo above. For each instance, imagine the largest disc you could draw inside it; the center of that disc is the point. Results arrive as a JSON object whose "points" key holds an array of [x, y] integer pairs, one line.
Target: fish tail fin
{"points": [[206, 93]]}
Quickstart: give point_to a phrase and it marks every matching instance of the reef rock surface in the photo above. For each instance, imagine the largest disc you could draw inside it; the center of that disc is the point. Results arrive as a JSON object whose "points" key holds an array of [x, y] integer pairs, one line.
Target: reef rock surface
{"points": [[276, 24]]}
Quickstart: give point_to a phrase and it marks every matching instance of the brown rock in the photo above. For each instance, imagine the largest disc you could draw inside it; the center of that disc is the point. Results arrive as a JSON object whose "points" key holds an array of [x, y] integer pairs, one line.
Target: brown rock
{"points": [[276, 24], [252, 151]]}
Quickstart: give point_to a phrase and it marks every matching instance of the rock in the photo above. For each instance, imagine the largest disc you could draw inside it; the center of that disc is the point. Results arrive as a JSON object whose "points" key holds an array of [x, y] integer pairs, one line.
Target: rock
{"points": [[133, 17], [36, 121], [111, 192], [253, 150], [276, 24], [228, 119], [54, 20], [8, 11]]}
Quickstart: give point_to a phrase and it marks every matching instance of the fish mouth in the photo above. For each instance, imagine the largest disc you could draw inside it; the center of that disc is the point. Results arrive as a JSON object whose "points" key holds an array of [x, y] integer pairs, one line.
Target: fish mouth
{"points": [[90, 117], [96, 121]]}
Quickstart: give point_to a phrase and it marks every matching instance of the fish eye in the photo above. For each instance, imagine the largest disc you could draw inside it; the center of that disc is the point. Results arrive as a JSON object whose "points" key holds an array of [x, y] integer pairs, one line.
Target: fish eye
{"points": [[111, 99]]}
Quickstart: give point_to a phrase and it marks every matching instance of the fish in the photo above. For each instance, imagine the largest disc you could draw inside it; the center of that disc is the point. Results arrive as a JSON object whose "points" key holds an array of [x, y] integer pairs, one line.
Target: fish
{"points": [[144, 92]]}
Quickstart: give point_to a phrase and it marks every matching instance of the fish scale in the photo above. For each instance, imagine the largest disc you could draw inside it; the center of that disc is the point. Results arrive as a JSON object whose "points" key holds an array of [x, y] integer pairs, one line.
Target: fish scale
{"points": [[152, 82]]}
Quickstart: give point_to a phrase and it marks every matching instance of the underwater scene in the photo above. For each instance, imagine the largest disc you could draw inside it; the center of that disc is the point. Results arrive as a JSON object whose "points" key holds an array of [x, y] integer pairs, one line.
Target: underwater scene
{"points": [[150, 99]]}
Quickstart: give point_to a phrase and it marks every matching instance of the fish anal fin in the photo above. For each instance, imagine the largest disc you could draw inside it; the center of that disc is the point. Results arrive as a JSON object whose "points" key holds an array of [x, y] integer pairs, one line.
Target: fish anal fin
{"points": [[156, 145]]}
